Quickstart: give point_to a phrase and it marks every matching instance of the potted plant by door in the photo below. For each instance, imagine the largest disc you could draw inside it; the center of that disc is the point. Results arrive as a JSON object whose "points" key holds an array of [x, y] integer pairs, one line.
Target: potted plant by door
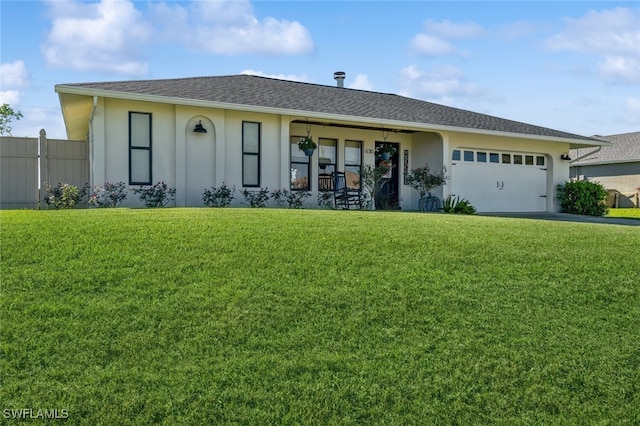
{"points": [[385, 151], [422, 180], [307, 145]]}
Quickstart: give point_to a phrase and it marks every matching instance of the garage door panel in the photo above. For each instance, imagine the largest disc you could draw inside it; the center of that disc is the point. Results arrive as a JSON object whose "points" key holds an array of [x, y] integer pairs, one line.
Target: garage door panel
{"points": [[501, 187]]}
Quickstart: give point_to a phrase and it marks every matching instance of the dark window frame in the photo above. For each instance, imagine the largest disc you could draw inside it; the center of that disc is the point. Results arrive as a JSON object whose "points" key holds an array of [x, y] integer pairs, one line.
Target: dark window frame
{"points": [[293, 140], [246, 154], [334, 165], [133, 148]]}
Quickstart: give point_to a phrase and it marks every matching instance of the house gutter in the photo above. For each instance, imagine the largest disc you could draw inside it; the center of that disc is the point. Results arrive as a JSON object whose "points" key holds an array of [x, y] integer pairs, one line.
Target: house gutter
{"points": [[303, 115], [94, 106]]}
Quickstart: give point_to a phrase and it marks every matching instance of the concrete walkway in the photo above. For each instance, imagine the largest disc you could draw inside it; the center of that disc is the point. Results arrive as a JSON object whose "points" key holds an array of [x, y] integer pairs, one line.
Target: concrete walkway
{"points": [[566, 217]]}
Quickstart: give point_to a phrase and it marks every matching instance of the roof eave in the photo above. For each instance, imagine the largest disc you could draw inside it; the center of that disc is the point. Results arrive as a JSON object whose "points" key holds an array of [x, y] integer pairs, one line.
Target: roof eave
{"points": [[575, 143]]}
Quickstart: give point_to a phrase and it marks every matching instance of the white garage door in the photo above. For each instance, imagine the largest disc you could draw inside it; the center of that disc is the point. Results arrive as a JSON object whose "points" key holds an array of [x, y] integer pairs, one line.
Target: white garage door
{"points": [[495, 181]]}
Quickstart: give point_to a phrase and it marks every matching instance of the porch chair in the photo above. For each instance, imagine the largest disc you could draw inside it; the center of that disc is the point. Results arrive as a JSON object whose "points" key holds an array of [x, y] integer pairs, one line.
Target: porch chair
{"points": [[344, 195]]}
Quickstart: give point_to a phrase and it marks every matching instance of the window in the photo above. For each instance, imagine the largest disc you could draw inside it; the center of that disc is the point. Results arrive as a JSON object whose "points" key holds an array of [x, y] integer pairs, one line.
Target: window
{"points": [[539, 160], [139, 148], [506, 158], [327, 157], [353, 159], [494, 157], [250, 153], [528, 160], [482, 157], [517, 159], [468, 156], [300, 166], [455, 156]]}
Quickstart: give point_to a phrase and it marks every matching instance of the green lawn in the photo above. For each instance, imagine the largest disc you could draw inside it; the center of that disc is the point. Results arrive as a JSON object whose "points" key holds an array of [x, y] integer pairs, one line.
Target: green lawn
{"points": [[626, 213], [267, 316]]}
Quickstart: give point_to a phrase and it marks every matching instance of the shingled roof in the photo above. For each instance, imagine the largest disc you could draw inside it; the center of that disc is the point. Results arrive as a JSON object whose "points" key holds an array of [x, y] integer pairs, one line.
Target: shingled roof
{"points": [[625, 148], [306, 99]]}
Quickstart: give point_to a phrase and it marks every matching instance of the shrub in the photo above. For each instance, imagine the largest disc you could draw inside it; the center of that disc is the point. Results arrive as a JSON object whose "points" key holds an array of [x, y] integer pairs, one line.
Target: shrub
{"points": [[256, 199], [111, 195], [325, 199], [583, 197], [457, 206], [218, 197], [290, 199], [64, 195], [158, 195], [422, 180]]}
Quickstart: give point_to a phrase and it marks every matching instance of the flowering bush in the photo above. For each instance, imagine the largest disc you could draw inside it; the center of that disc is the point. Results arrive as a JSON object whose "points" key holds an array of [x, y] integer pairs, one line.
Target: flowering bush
{"points": [[159, 195], [111, 195], [63, 196], [325, 199], [256, 198], [290, 199], [218, 197]]}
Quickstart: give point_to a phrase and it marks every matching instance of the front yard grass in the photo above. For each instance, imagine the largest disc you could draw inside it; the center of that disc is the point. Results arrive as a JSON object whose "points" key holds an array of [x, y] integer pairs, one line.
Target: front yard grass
{"points": [[267, 316]]}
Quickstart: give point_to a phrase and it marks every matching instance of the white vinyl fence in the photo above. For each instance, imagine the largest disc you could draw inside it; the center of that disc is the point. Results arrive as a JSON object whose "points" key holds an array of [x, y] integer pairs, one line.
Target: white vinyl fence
{"points": [[27, 164]]}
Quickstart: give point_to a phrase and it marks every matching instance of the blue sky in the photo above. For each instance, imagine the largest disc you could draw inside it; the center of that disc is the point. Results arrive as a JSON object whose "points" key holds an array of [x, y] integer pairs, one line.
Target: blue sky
{"points": [[570, 65]]}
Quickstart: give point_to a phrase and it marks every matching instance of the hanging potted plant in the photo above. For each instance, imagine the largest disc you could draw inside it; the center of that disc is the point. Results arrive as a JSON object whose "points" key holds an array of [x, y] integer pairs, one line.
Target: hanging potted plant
{"points": [[385, 151], [307, 145]]}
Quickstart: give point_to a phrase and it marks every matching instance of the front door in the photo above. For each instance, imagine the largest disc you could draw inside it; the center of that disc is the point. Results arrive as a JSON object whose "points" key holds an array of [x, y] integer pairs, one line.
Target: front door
{"points": [[388, 196]]}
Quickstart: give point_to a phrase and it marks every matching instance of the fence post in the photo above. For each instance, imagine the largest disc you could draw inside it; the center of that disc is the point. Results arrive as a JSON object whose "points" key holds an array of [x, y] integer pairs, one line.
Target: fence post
{"points": [[44, 176]]}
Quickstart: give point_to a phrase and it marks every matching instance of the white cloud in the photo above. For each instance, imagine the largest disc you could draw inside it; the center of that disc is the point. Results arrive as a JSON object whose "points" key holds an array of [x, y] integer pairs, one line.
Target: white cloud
{"points": [[361, 82], [632, 109], [13, 78], [13, 75], [434, 40], [614, 35], [230, 27], [290, 77], [619, 68], [11, 97], [104, 37], [450, 30], [445, 85], [432, 45]]}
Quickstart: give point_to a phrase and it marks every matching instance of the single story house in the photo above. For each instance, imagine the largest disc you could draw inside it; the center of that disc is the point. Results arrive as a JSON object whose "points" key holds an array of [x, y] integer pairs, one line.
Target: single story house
{"points": [[616, 167], [242, 130]]}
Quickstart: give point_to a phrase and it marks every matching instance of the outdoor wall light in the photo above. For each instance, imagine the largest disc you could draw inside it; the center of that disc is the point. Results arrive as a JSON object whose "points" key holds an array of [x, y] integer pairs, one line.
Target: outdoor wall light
{"points": [[565, 156], [199, 128]]}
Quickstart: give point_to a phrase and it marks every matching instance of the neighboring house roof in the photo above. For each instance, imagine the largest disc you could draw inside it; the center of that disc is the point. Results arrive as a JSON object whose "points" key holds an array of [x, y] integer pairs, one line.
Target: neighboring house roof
{"points": [[264, 94], [625, 148]]}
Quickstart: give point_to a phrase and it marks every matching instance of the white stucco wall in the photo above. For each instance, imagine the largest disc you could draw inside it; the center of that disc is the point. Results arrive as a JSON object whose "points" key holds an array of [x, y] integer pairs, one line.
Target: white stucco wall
{"points": [[191, 162]]}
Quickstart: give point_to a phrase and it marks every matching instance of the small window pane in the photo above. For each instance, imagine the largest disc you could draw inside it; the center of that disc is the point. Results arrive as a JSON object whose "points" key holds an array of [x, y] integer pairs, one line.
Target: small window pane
{"points": [[540, 160], [517, 159], [251, 137], [250, 170], [468, 156], [506, 158], [140, 166], [296, 153], [528, 160], [353, 152], [140, 136], [494, 158], [299, 176], [482, 157], [456, 155], [327, 151]]}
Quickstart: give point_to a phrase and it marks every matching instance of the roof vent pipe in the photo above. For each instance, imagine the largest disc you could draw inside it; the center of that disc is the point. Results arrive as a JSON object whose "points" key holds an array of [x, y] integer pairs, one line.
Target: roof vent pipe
{"points": [[339, 76]]}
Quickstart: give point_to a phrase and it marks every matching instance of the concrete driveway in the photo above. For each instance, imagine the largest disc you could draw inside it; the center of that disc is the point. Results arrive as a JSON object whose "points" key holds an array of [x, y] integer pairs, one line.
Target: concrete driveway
{"points": [[566, 217]]}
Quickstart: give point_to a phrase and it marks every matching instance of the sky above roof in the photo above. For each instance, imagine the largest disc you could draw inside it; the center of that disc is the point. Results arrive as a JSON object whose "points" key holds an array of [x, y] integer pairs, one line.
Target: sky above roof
{"points": [[572, 65]]}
